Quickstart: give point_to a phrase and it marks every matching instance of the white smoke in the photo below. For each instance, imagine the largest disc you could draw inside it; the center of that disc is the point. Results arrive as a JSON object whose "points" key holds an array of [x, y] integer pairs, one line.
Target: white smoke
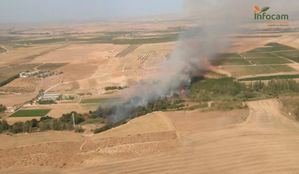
{"points": [[215, 21]]}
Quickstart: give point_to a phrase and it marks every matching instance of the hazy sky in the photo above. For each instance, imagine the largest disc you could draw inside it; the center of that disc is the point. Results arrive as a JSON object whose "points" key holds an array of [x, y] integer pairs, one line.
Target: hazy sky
{"points": [[78, 10]]}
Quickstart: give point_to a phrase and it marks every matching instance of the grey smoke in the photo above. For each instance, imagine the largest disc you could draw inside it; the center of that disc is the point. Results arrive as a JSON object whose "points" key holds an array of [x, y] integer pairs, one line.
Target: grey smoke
{"points": [[215, 22]]}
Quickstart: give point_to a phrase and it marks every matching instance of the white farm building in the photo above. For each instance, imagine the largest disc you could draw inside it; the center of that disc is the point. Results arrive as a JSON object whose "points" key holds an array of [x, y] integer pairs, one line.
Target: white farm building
{"points": [[49, 96]]}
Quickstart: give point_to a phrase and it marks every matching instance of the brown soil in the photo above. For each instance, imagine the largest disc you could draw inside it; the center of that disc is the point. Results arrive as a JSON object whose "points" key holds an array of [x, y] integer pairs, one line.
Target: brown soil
{"points": [[173, 142], [21, 85]]}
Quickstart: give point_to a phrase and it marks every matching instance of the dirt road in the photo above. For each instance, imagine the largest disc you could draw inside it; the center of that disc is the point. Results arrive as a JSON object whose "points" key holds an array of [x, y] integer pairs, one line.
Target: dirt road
{"points": [[267, 142]]}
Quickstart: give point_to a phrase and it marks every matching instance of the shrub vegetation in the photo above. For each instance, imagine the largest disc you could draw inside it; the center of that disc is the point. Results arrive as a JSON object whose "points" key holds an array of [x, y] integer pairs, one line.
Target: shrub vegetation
{"points": [[2, 108]]}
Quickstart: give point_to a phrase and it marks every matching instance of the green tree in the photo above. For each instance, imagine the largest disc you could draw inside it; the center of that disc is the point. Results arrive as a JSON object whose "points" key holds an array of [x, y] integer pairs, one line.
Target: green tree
{"points": [[2, 108], [17, 127]]}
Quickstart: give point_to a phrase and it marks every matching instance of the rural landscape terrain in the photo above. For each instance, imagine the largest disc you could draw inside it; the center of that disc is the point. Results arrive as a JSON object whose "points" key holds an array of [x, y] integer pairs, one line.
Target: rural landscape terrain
{"points": [[59, 83]]}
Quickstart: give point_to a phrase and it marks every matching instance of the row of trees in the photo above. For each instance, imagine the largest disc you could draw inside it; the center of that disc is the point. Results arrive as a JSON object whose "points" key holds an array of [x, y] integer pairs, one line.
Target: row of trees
{"points": [[161, 104], [45, 123], [229, 89], [275, 87], [109, 88]]}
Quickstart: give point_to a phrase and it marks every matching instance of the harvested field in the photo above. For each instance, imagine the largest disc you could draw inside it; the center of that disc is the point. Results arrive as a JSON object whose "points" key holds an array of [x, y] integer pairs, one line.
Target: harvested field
{"points": [[205, 121], [15, 99], [259, 141], [24, 55], [290, 106], [155, 122], [213, 142], [21, 85], [100, 100], [11, 71], [72, 72], [13, 120], [58, 110], [79, 53], [50, 66], [127, 51], [22, 140], [256, 140]]}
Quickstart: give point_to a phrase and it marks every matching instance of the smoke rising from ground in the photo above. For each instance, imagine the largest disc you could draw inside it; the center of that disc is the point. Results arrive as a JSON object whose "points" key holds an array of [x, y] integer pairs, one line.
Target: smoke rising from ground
{"points": [[215, 22]]}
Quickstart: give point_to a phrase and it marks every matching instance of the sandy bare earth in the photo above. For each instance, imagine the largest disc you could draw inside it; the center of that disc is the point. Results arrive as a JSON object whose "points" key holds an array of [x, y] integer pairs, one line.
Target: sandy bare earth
{"points": [[261, 141]]}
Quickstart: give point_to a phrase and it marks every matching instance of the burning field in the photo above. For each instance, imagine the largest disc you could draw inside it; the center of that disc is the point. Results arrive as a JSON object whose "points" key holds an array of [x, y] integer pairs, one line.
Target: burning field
{"points": [[217, 93]]}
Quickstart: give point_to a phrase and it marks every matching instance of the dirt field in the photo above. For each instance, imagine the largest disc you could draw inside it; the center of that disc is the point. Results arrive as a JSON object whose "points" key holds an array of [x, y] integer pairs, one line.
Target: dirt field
{"points": [[258, 140], [15, 99], [213, 142], [22, 55], [21, 85]]}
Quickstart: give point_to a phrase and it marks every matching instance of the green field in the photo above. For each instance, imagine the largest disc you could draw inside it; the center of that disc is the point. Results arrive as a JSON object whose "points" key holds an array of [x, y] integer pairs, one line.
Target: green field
{"points": [[271, 60], [235, 62], [270, 47], [254, 55], [129, 37], [42, 41], [292, 55], [99, 100], [238, 71], [31, 113], [232, 59], [293, 76], [272, 53]]}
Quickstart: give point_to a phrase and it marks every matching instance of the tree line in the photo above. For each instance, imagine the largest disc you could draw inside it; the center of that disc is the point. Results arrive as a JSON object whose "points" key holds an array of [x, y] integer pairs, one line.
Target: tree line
{"points": [[230, 89], [47, 123]]}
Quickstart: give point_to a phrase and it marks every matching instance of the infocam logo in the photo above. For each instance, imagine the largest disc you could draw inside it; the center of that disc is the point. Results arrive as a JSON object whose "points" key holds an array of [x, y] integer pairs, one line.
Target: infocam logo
{"points": [[262, 14]]}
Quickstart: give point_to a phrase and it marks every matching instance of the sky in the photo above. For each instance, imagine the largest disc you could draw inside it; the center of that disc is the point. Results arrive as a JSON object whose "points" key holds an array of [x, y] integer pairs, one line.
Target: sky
{"points": [[15, 11]]}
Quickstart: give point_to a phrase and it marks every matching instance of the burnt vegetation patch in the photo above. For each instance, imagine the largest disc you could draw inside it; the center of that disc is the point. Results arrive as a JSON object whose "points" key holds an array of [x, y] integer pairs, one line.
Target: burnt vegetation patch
{"points": [[161, 104]]}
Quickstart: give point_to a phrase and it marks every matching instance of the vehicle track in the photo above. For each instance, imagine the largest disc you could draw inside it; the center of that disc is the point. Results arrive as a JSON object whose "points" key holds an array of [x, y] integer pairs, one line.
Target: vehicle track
{"points": [[267, 142]]}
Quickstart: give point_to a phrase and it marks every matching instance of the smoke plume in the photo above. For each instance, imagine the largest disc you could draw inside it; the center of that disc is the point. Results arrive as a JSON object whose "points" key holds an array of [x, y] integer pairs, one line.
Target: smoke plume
{"points": [[214, 22]]}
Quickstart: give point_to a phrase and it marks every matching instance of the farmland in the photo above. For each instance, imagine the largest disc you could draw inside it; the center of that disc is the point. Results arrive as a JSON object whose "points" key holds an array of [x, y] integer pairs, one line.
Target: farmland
{"points": [[9, 73], [238, 112], [127, 51], [272, 58], [239, 71], [31, 113], [99, 100], [50, 66], [284, 76]]}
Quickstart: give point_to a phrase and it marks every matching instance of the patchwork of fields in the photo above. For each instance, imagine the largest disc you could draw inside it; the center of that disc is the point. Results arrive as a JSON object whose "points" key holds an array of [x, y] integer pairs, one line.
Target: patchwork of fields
{"points": [[273, 58]]}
